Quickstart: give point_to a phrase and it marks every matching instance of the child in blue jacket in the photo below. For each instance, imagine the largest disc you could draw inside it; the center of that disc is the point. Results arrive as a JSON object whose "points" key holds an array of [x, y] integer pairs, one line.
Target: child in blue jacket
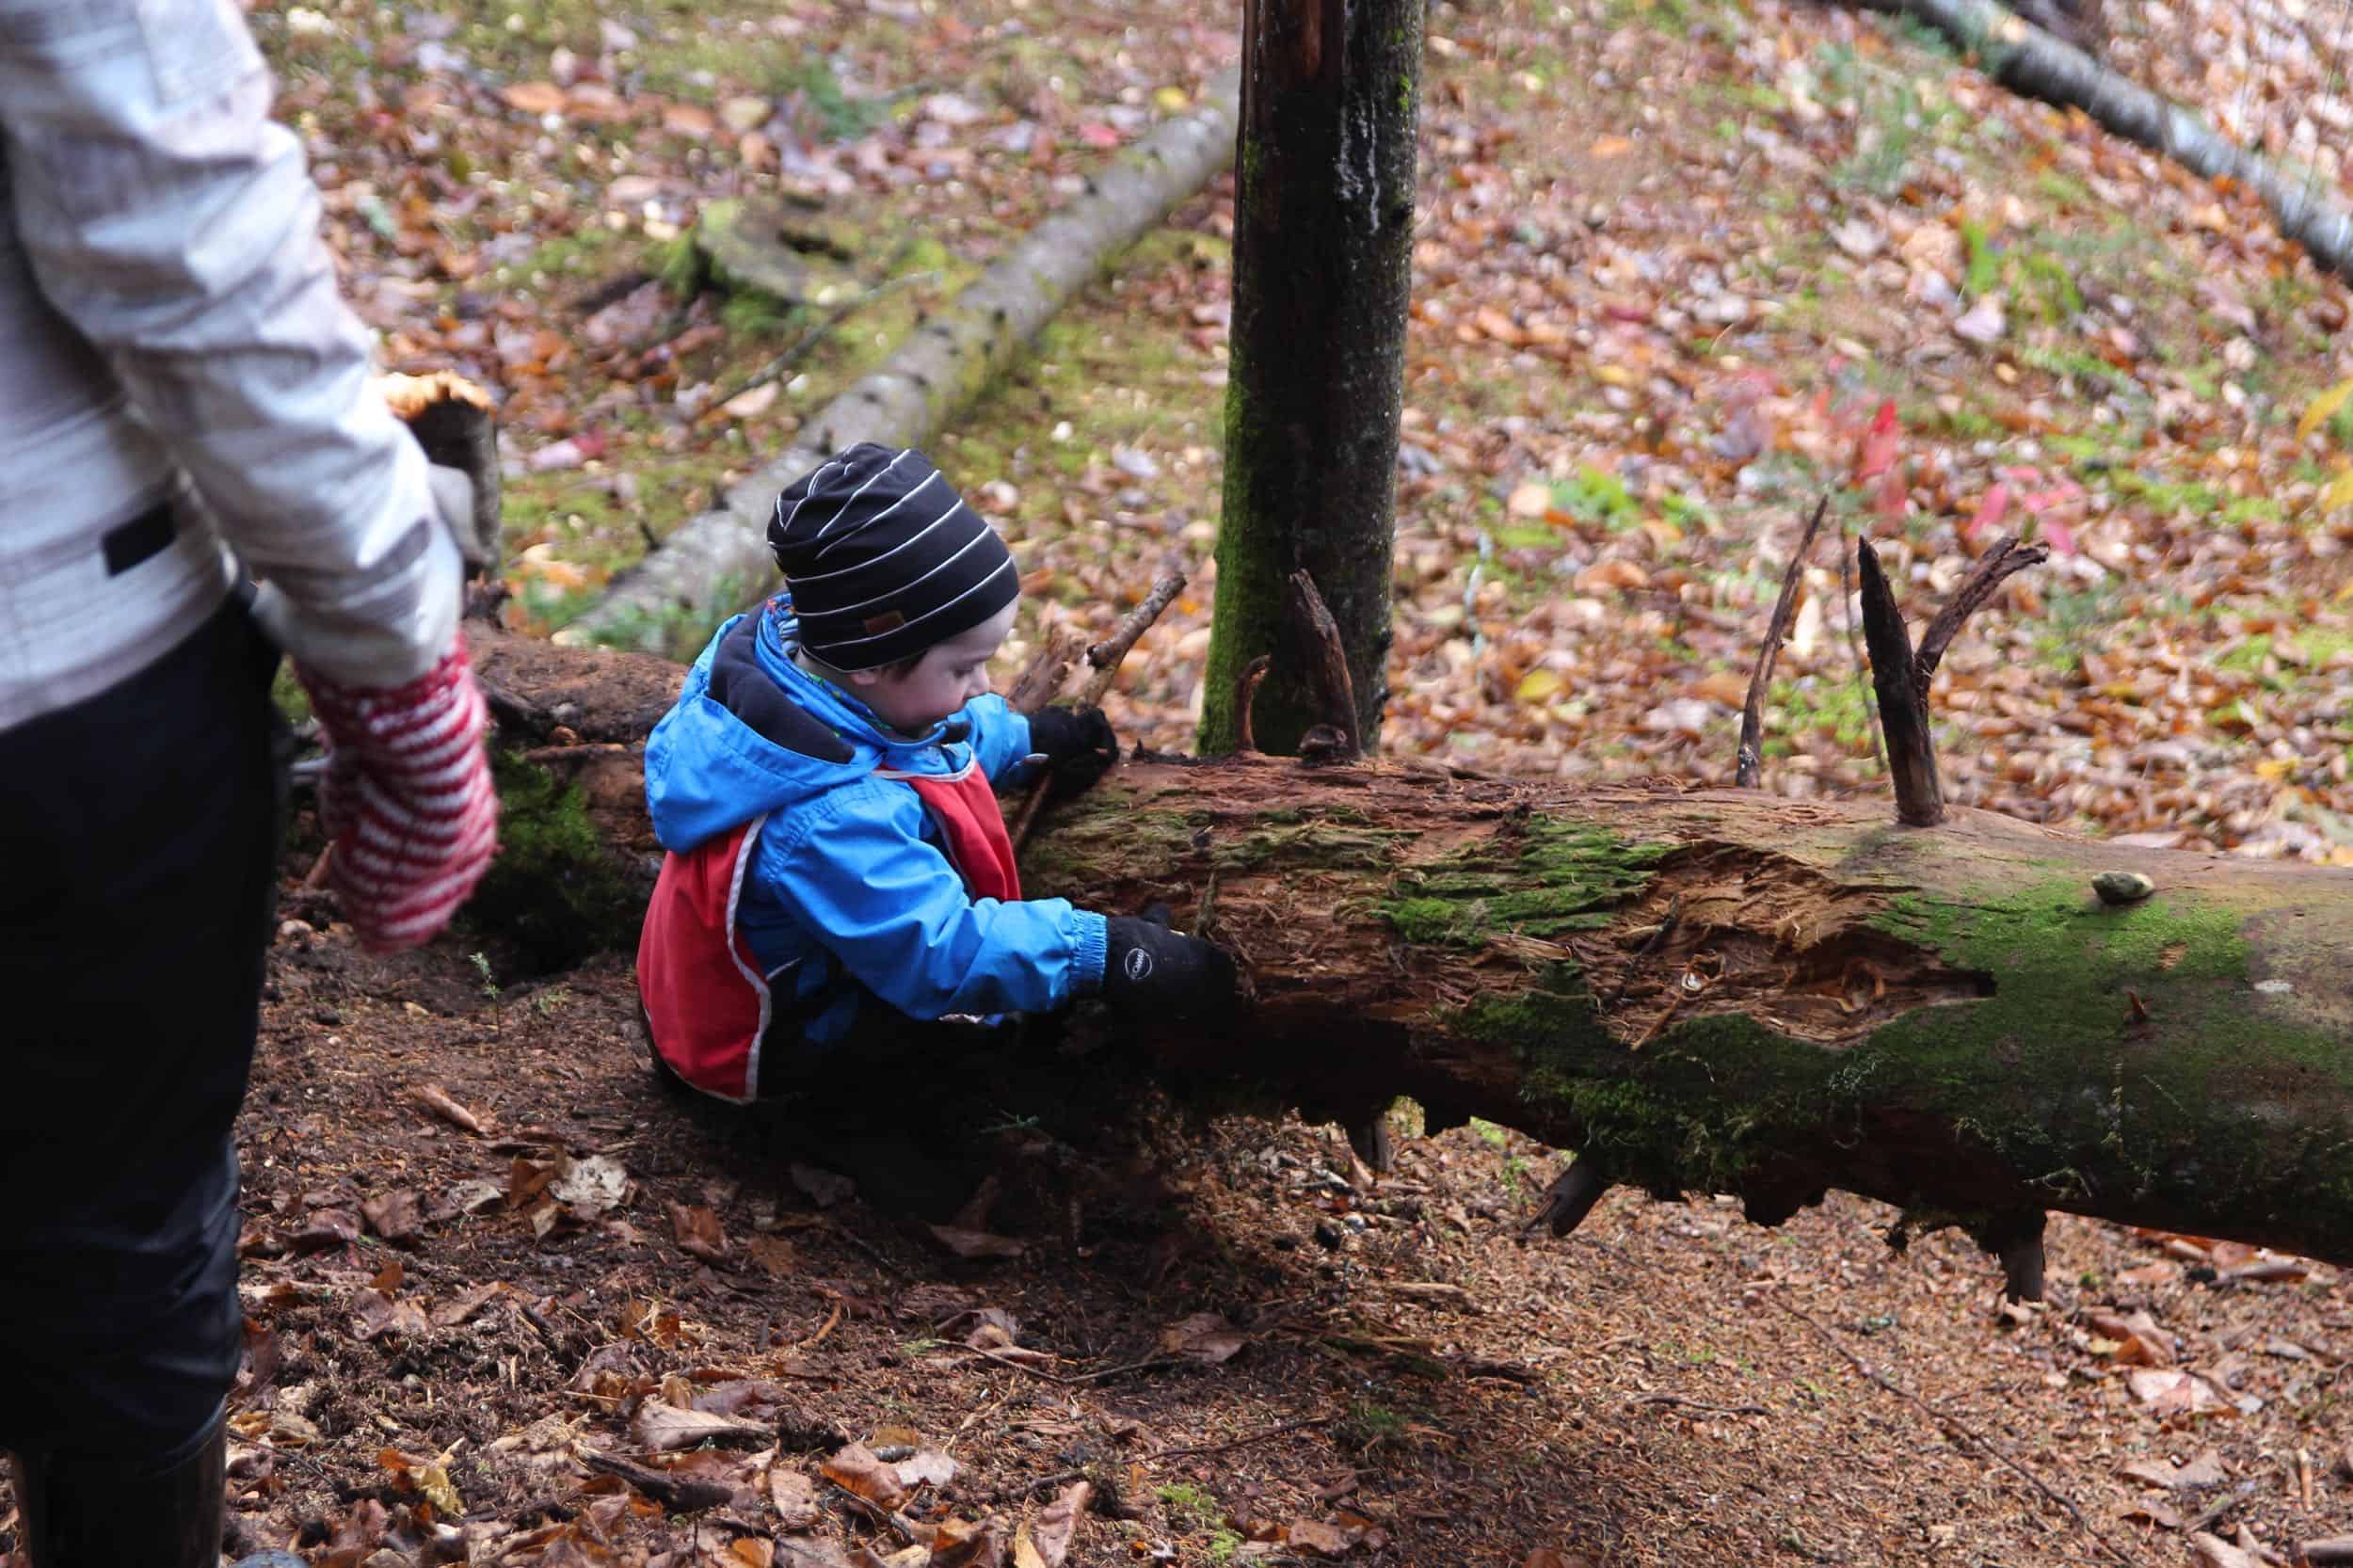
{"points": [[823, 787]]}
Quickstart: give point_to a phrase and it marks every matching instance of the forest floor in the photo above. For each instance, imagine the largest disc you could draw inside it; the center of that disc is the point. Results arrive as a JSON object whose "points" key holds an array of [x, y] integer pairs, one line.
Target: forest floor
{"points": [[1677, 256], [1252, 1349]]}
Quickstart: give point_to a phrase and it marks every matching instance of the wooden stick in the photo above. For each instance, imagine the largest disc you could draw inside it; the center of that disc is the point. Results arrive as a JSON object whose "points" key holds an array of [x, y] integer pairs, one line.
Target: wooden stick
{"points": [[1105, 657], [1954, 1427], [1041, 681], [1245, 698], [1904, 716], [1854, 646], [1749, 768], [1325, 661], [1997, 567]]}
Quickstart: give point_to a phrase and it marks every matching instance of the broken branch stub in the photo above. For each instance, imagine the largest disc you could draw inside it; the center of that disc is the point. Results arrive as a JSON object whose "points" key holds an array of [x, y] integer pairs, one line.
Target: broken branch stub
{"points": [[1315, 637], [1903, 712]]}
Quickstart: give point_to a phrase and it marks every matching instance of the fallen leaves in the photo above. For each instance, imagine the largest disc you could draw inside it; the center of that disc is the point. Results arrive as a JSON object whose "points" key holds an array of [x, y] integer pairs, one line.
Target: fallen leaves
{"points": [[1209, 1337], [661, 1427], [438, 1100], [699, 1233], [857, 1470]]}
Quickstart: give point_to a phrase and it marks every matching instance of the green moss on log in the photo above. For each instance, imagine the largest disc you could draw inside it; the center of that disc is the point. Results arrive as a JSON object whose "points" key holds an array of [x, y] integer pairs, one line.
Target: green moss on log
{"points": [[558, 893], [1539, 877], [2091, 1067]]}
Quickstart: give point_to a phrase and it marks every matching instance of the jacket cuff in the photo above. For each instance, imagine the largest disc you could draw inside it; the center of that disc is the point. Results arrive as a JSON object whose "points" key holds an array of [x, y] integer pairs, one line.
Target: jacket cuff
{"points": [[1094, 942]]}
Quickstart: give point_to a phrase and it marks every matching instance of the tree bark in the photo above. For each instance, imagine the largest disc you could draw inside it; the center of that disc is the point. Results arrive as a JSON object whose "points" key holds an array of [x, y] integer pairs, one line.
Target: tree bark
{"points": [[1322, 253], [715, 564], [1704, 991], [2030, 62]]}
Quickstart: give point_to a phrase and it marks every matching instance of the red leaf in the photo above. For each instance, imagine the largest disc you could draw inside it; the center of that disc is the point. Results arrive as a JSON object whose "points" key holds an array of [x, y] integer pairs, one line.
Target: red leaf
{"points": [[1876, 453], [1989, 515]]}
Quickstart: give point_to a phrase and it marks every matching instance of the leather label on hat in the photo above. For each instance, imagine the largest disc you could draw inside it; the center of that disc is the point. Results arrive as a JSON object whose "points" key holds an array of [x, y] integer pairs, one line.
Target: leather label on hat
{"points": [[889, 621]]}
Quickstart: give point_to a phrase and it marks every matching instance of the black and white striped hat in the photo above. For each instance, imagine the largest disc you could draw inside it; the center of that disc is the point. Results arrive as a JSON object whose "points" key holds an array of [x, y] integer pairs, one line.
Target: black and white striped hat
{"points": [[883, 559]]}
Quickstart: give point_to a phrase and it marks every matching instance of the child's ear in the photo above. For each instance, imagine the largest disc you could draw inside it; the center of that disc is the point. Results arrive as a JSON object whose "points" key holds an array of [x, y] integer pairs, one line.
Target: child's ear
{"points": [[866, 678]]}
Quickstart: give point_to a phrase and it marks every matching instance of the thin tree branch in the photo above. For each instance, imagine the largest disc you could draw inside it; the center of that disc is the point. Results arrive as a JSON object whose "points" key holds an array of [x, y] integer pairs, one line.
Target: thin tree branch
{"points": [[1104, 657], [1995, 568], [1748, 770], [1323, 656]]}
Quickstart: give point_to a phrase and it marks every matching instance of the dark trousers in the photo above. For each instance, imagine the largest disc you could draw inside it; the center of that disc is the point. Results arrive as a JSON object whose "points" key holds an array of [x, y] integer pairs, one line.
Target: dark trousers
{"points": [[138, 857]]}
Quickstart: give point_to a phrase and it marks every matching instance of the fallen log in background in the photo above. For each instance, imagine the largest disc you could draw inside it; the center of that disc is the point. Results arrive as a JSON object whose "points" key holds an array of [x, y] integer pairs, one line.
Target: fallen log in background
{"points": [[2029, 60], [717, 563], [1706, 991]]}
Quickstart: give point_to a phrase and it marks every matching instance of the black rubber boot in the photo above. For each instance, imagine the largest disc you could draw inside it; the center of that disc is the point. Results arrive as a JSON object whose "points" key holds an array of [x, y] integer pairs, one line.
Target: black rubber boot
{"points": [[111, 1511]]}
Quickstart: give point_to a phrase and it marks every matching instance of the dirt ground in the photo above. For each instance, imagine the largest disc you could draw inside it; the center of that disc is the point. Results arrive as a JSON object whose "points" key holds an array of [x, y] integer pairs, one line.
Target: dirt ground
{"points": [[1251, 1348]]}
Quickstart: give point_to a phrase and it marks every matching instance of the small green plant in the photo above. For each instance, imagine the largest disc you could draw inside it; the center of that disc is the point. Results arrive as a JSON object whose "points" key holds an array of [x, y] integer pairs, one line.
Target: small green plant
{"points": [[1365, 1426], [550, 999], [1224, 1543], [1189, 1507], [491, 989]]}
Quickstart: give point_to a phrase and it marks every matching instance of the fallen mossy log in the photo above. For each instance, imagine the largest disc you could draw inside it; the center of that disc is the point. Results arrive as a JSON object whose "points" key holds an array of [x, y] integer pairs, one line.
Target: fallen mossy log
{"points": [[716, 562], [1726, 991]]}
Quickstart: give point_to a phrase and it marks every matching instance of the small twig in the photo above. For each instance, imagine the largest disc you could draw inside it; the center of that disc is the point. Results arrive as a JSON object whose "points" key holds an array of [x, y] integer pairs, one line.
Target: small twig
{"points": [[315, 878], [1903, 715], [680, 1494], [1245, 696], [1854, 647], [1995, 568], [1954, 1427], [1749, 767], [832, 1320], [1043, 680], [1324, 659], [1069, 1379], [1679, 1401], [1105, 657], [1198, 1449]]}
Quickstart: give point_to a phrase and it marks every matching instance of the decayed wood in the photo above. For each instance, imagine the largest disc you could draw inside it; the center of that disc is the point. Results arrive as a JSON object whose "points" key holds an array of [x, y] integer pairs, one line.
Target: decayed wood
{"points": [[2029, 60], [1952, 1021], [1322, 652], [719, 562]]}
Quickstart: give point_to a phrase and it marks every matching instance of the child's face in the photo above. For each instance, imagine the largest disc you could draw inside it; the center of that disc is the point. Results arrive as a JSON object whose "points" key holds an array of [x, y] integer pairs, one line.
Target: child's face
{"points": [[948, 676]]}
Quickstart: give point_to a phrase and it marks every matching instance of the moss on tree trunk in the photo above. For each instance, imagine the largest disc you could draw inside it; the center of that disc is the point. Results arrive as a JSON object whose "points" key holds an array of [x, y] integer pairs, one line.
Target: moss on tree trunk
{"points": [[1324, 219]]}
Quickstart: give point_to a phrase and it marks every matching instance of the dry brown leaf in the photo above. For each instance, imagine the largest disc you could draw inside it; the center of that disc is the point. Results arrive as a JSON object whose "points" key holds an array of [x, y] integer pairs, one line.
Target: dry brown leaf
{"points": [[395, 1215], [1208, 1336], [591, 1187], [794, 1496], [373, 1315], [973, 1245], [533, 97], [963, 1544], [856, 1470], [437, 1100], [2214, 1552], [662, 1427], [462, 1306], [699, 1233], [925, 1467], [2136, 1336], [1312, 1535], [1046, 1540]]}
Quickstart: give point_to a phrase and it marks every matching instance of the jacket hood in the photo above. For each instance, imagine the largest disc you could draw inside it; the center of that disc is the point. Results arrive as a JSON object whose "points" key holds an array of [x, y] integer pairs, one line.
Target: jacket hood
{"points": [[752, 732]]}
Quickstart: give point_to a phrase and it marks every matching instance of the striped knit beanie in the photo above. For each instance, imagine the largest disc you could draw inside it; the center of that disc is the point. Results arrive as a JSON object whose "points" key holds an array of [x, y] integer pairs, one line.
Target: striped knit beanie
{"points": [[883, 559]]}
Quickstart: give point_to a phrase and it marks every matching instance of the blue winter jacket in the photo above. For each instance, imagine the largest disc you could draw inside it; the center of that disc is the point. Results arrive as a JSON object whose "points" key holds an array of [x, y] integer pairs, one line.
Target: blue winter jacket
{"points": [[849, 890]]}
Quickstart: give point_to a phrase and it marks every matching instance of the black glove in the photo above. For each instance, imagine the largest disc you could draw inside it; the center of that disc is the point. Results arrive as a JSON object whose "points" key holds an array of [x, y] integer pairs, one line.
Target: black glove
{"points": [[1078, 746], [1151, 973]]}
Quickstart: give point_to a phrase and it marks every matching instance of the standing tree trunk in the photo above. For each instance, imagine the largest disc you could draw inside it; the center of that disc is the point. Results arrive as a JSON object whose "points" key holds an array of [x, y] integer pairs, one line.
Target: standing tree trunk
{"points": [[1323, 249]]}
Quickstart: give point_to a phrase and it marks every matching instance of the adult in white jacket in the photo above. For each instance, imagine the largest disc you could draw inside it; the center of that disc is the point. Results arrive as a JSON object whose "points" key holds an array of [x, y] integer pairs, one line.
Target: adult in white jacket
{"points": [[184, 409]]}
